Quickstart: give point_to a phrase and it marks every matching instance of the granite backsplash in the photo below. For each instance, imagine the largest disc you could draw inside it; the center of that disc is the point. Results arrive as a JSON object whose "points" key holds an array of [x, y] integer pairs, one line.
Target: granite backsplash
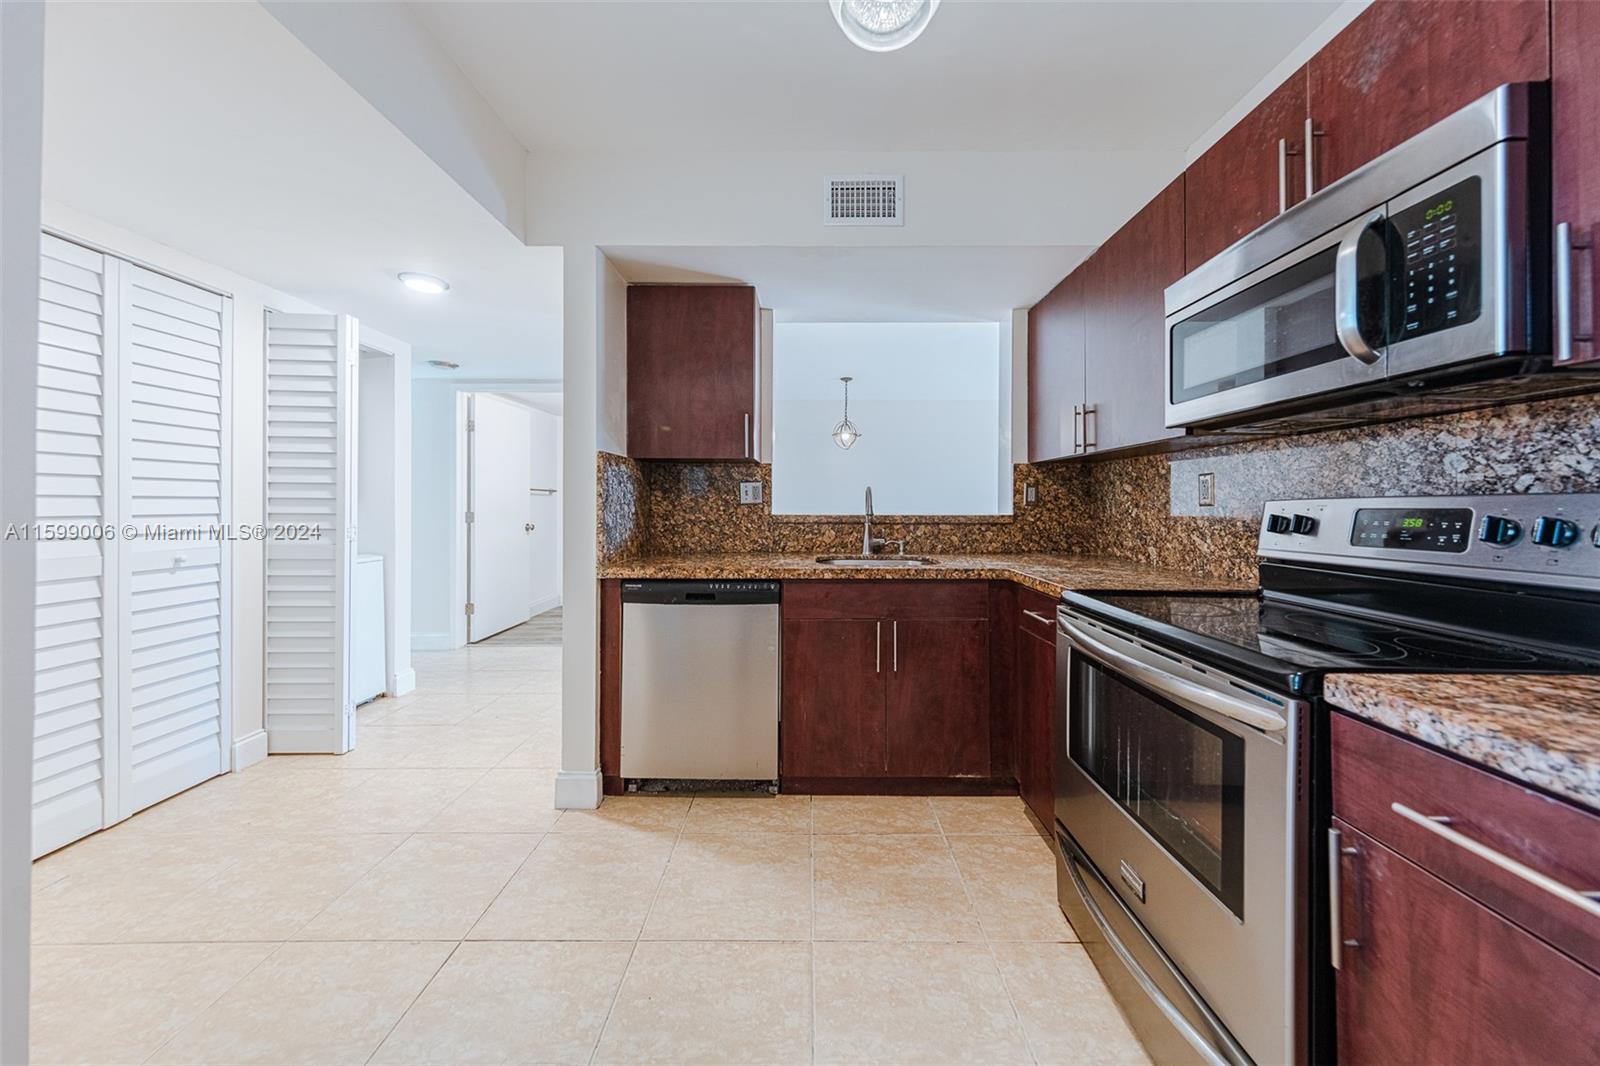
{"points": [[1143, 508]]}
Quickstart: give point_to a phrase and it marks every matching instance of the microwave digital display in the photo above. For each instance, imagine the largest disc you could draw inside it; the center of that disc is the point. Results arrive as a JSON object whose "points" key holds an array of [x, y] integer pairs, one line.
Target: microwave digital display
{"points": [[1436, 252], [1428, 529]]}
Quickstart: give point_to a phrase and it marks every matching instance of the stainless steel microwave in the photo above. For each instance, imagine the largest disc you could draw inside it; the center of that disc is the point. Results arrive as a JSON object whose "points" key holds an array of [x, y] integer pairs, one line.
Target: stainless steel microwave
{"points": [[1420, 282]]}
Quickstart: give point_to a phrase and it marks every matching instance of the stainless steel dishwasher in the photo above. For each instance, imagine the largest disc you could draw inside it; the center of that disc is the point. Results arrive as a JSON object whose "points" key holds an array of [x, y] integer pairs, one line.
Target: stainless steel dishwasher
{"points": [[700, 680]]}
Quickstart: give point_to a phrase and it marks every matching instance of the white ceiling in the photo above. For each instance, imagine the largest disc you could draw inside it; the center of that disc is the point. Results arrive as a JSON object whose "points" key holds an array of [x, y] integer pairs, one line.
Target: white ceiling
{"points": [[209, 128], [883, 284], [989, 76]]}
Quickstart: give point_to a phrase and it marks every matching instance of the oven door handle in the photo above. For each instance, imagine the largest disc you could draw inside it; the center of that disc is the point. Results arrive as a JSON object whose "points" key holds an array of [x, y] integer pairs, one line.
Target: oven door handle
{"points": [[1347, 291], [1169, 1010], [1176, 687]]}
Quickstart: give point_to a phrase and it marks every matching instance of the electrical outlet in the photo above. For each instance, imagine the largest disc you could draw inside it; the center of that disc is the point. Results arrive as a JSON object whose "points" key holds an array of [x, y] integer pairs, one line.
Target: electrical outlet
{"points": [[1208, 490], [749, 492], [1030, 494]]}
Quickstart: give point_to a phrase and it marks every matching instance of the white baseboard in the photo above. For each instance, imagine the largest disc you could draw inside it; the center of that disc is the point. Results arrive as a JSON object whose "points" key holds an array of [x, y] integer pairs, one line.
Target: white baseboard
{"points": [[249, 749], [548, 603], [404, 682], [577, 790], [433, 642]]}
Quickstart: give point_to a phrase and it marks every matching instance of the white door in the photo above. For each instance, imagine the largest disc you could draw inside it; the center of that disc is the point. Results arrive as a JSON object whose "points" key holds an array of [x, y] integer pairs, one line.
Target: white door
{"points": [[75, 740], [131, 667], [173, 476], [499, 562], [311, 361]]}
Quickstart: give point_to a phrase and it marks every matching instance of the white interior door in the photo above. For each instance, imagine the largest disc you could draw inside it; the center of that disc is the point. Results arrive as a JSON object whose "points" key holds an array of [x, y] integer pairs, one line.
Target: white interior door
{"points": [[499, 562], [311, 363], [173, 473], [75, 739]]}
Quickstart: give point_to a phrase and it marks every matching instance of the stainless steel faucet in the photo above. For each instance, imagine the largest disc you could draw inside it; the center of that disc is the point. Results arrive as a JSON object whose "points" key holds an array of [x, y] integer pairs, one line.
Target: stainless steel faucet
{"points": [[869, 543]]}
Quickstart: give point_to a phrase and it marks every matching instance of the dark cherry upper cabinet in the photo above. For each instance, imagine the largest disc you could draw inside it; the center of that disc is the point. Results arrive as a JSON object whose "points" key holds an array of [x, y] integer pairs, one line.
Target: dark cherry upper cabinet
{"points": [[1575, 97], [1055, 368], [692, 356], [1254, 171], [1403, 65], [1125, 326], [1034, 693], [885, 679]]}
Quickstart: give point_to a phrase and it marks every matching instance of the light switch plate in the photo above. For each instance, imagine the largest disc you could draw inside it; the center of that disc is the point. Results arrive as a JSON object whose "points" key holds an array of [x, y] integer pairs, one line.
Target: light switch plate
{"points": [[749, 492], [1208, 490], [1030, 494]]}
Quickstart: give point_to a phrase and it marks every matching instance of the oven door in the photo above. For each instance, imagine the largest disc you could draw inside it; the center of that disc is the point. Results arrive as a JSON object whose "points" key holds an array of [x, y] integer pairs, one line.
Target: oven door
{"points": [[1310, 322], [1177, 786]]}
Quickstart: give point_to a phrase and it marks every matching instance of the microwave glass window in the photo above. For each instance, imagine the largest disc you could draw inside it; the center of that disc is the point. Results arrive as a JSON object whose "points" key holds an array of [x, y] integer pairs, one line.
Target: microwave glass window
{"points": [[1180, 776], [1278, 326]]}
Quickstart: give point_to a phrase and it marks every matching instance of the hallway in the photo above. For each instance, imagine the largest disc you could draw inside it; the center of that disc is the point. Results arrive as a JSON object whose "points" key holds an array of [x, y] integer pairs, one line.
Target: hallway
{"points": [[420, 900]]}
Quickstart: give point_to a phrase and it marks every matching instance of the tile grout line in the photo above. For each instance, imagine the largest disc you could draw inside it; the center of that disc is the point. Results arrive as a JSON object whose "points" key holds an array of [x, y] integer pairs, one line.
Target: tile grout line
{"points": [[423, 988], [633, 949], [988, 943], [215, 999]]}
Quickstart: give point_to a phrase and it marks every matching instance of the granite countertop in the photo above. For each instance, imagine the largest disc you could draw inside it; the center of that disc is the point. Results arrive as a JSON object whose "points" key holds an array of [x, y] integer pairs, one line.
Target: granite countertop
{"points": [[1049, 574], [1540, 729]]}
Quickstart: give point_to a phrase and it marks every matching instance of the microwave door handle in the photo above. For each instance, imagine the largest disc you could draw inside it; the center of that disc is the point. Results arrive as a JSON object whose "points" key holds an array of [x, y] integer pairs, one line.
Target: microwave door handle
{"points": [[1176, 687], [1346, 292]]}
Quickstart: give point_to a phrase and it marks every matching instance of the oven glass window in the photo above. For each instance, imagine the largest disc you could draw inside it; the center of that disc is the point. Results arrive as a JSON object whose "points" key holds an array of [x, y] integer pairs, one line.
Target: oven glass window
{"points": [[1180, 776], [1283, 324]]}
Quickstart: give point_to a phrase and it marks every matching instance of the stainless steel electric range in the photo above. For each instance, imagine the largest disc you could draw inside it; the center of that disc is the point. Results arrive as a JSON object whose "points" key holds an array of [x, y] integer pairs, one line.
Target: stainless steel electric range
{"points": [[1191, 762]]}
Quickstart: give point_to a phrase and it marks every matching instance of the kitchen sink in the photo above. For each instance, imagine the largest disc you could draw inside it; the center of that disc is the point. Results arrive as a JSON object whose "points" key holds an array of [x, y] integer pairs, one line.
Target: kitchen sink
{"points": [[877, 561]]}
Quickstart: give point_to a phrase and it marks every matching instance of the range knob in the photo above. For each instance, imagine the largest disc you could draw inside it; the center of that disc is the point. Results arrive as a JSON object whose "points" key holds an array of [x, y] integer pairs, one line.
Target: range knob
{"points": [[1304, 524], [1279, 523], [1498, 529], [1554, 532]]}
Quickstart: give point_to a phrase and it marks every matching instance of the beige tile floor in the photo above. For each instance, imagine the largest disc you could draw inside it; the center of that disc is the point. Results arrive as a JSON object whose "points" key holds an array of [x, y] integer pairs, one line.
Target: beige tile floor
{"points": [[420, 900]]}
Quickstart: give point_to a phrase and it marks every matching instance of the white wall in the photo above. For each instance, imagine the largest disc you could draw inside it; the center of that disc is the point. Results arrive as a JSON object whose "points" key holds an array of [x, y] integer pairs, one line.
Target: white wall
{"points": [[613, 361], [383, 491], [927, 399], [21, 104], [438, 516], [251, 301]]}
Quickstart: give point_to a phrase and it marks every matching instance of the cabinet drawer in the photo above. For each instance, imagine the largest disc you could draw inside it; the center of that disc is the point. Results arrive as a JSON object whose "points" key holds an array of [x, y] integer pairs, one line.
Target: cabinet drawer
{"points": [[886, 598], [1036, 614], [1375, 771], [1434, 977]]}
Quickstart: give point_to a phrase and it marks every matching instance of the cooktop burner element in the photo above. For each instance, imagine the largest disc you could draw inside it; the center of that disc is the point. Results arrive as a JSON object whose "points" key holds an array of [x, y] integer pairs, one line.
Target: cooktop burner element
{"points": [[1331, 601]]}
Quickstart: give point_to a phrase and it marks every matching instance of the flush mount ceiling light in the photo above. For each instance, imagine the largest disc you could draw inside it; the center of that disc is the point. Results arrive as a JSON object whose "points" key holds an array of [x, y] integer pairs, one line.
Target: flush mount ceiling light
{"points": [[883, 25], [424, 283], [443, 364], [845, 434]]}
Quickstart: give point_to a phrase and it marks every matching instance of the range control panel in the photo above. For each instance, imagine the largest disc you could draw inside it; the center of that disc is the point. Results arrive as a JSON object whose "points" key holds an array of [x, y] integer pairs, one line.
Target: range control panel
{"points": [[1543, 539]]}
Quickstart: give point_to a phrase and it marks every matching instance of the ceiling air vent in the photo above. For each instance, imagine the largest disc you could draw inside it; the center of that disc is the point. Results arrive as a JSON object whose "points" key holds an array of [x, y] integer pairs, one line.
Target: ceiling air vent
{"points": [[865, 200]]}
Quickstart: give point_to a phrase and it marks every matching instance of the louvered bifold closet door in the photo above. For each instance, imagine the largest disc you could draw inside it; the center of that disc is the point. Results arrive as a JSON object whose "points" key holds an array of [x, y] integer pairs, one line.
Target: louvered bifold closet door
{"points": [[75, 734], [174, 491], [310, 456]]}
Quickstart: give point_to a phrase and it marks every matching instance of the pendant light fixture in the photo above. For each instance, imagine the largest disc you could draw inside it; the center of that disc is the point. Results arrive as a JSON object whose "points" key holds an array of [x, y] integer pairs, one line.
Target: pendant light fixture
{"points": [[883, 25], [845, 434]]}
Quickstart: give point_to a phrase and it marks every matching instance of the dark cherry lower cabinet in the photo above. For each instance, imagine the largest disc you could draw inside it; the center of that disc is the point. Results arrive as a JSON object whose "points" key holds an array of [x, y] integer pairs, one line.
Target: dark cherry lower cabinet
{"points": [[1446, 957], [885, 679], [1034, 693]]}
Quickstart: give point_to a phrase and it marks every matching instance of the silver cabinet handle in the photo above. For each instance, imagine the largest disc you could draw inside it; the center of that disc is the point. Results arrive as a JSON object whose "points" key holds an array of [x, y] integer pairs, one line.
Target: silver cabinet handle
{"points": [[1335, 897], [747, 435], [1439, 826], [877, 648], [1283, 174], [1036, 616], [894, 636], [1566, 309], [1077, 424], [1311, 134], [1186, 1029], [1346, 294], [1091, 409], [1168, 684]]}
